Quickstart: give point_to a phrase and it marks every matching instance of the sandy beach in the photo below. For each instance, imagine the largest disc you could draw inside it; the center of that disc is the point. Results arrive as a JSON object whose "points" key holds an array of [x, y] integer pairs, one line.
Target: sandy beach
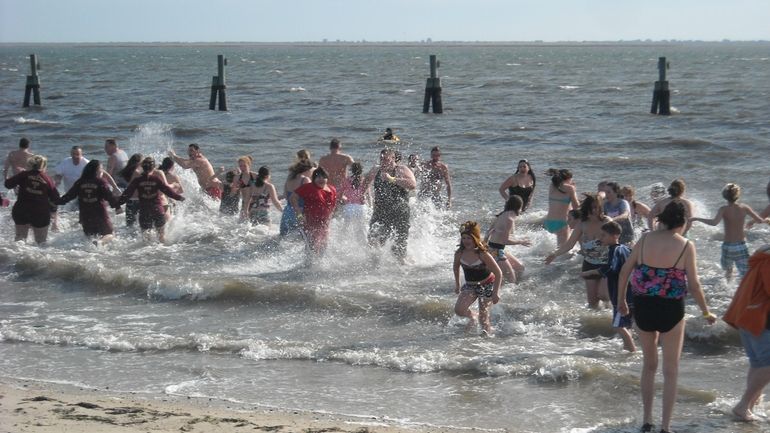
{"points": [[27, 406]]}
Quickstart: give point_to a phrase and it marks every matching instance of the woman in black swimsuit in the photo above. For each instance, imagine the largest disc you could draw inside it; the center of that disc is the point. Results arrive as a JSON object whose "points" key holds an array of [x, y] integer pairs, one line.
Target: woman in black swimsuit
{"points": [[521, 183], [482, 277]]}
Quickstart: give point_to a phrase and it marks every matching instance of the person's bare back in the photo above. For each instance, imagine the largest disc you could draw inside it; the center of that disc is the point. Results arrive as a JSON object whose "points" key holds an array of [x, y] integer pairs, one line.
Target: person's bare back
{"points": [[336, 166], [17, 161], [734, 215]]}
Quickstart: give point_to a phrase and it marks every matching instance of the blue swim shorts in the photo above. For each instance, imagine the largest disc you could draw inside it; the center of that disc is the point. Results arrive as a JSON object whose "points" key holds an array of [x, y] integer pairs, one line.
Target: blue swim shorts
{"points": [[757, 348]]}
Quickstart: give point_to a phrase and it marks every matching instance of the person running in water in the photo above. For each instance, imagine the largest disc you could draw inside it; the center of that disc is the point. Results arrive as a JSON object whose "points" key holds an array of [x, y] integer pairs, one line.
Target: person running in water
{"points": [[202, 168], [320, 199], [92, 191], [36, 193], [390, 209], [149, 186]]}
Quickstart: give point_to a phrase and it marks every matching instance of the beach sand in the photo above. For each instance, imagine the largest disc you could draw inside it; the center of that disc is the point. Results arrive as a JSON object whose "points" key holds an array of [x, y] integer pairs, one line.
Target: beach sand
{"points": [[27, 406]]}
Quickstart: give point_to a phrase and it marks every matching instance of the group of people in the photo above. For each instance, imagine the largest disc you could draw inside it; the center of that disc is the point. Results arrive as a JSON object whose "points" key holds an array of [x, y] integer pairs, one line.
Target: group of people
{"points": [[645, 278]]}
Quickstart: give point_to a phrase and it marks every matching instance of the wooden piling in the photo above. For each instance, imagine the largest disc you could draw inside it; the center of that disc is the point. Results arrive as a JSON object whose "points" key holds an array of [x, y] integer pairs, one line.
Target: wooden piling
{"points": [[218, 86], [33, 83], [433, 89], [661, 95]]}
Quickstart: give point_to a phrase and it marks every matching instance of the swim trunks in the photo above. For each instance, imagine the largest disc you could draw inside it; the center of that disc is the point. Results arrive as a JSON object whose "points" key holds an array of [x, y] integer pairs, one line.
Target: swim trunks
{"points": [[500, 248], [554, 226], [735, 253], [214, 192]]}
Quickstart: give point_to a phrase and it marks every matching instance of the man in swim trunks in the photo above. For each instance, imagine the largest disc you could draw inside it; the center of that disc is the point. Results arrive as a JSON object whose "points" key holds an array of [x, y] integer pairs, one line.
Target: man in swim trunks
{"points": [[434, 174], [202, 168], [16, 161], [116, 161]]}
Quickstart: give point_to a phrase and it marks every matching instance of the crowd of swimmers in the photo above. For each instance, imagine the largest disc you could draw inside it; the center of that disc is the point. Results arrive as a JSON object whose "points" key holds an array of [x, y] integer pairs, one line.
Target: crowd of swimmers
{"points": [[645, 278]]}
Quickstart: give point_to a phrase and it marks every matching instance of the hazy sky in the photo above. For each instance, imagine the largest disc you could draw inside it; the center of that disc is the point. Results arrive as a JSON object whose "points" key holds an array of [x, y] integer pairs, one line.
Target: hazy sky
{"points": [[382, 20]]}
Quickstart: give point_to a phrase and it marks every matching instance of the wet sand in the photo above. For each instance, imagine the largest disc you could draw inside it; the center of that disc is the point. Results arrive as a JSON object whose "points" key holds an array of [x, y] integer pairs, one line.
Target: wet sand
{"points": [[27, 406]]}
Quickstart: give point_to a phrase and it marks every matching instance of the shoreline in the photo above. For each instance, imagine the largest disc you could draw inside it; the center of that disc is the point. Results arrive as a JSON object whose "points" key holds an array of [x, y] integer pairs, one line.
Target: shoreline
{"points": [[44, 407]]}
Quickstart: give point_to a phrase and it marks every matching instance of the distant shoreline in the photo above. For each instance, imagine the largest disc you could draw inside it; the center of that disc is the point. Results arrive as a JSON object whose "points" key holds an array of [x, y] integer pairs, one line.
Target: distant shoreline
{"points": [[539, 44]]}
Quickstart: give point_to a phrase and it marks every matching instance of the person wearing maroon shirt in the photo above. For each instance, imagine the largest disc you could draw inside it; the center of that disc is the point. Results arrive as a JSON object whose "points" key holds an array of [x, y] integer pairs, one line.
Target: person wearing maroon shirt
{"points": [[320, 199], [36, 193], [92, 192], [149, 186]]}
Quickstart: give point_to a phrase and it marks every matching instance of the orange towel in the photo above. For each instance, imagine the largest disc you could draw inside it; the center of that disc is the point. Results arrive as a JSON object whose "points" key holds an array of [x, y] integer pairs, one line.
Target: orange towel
{"points": [[751, 302]]}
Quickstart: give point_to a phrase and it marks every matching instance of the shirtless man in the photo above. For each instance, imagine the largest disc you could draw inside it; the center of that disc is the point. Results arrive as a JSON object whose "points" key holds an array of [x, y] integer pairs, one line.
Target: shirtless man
{"points": [[434, 173], [336, 164], [116, 159], [16, 162], [202, 168], [734, 249]]}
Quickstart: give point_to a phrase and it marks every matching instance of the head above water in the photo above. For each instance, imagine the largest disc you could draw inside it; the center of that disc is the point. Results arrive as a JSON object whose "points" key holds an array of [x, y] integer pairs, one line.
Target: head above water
{"points": [[471, 230], [24, 143], [677, 188], [167, 164], [148, 164], [559, 176], [37, 162], [731, 192], [77, 154], [335, 144], [514, 204], [591, 205], [673, 216], [91, 170]]}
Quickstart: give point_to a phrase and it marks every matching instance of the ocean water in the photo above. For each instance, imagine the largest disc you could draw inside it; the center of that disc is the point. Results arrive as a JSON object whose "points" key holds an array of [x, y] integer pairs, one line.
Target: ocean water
{"points": [[223, 311]]}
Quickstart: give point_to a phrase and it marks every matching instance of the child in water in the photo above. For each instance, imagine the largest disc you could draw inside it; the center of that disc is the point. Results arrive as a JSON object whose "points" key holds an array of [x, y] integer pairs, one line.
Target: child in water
{"points": [[618, 253], [482, 277], [734, 249]]}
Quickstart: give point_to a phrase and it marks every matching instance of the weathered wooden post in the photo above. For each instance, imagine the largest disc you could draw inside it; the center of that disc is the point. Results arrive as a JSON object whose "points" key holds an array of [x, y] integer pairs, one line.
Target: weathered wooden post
{"points": [[661, 96], [33, 82], [433, 89], [218, 86]]}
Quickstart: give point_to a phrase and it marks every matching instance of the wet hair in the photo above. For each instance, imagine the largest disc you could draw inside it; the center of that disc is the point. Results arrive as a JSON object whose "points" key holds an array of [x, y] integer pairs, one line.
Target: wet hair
{"points": [[303, 155], [299, 167], [386, 151], [677, 188], [613, 186], [262, 174], [731, 192], [194, 146], [356, 170], [673, 216], [612, 227], [531, 172], [230, 176], [148, 164], [388, 130], [558, 176], [514, 203], [574, 213], [37, 162], [167, 164], [128, 171], [111, 142], [472, 229], [319, 172], [335, 143], [590, 200], [435, 149], [24, 143], [90, 170]]}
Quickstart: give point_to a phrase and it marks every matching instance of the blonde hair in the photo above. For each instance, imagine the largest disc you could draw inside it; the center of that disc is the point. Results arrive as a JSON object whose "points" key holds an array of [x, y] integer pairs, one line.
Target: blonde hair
{"points": [[37, 162], [247, 159]]}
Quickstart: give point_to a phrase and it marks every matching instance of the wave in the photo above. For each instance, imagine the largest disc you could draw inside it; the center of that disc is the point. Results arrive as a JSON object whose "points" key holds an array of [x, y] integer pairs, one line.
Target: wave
{"points": [[25, 120], [297, 89]]}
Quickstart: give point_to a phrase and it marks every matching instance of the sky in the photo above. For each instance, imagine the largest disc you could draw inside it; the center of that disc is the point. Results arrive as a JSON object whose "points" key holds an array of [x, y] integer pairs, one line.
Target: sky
{"points": [[381, 20]]}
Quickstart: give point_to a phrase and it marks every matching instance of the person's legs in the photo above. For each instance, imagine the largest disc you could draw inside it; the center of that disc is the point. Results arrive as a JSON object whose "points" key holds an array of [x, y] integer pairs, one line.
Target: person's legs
{"points": [[517, 266], [672, 350], [462, 307], [41, 234], [592, 292], [628, 340], [484, 306], [22, 231], [649, 343], [758, 352]]}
